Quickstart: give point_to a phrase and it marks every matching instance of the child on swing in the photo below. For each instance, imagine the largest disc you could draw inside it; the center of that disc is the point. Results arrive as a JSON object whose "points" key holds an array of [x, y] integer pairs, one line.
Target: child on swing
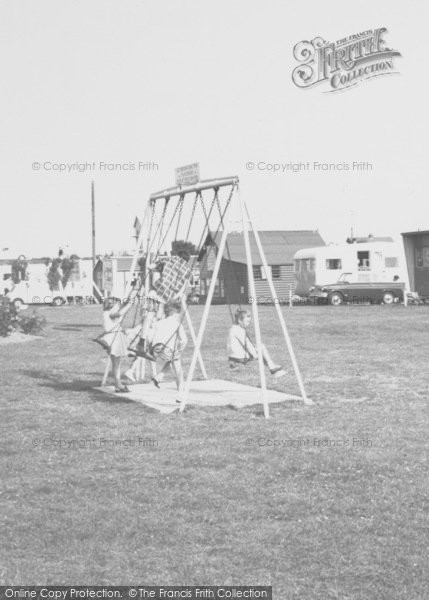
{"points": [[114, 338], [168, 342], [173, 276], [240, 348]]}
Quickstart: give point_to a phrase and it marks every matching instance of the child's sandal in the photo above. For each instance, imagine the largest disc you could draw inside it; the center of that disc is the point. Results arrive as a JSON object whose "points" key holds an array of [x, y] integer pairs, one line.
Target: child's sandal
{"points": [[121, 390]]}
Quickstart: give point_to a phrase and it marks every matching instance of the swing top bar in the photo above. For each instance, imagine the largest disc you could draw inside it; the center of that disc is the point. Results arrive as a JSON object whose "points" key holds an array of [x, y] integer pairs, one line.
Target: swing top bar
{"points": [[206, 184]]}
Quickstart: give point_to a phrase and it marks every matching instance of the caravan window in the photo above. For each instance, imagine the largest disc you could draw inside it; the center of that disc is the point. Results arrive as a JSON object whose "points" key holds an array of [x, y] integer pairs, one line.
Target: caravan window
{"points": [[308, 264], [391, 262], [333, 263], [363, 261], [305, 264]]}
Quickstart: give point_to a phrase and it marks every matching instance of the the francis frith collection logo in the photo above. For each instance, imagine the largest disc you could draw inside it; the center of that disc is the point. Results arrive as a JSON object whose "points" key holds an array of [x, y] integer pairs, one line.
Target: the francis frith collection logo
{"points": [[343, 63]]}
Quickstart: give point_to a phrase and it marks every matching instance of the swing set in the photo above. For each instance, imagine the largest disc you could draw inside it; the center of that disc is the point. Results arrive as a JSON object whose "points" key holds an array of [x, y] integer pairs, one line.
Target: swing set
{"points": [[196, 210]]}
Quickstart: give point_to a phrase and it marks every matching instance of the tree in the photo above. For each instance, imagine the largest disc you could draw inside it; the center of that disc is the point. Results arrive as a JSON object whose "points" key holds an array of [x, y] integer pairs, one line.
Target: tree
{"points": [[19, 269], [178, 245], [61, 269]]}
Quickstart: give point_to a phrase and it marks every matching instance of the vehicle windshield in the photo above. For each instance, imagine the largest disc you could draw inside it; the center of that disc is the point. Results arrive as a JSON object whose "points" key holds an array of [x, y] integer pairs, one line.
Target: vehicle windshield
{"points": [[344, 277]]}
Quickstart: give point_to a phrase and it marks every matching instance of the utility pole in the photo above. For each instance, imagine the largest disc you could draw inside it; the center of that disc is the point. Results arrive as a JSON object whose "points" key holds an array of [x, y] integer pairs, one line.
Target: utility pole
{"points": [[93, 224]]}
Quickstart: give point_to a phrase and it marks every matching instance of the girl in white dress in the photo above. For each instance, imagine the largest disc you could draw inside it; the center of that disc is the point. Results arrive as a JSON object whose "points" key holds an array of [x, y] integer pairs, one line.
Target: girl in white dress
{"points": [[114, 336]]}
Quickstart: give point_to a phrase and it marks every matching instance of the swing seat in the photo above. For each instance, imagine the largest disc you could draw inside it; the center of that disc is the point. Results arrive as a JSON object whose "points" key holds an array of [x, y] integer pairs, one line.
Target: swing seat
{"points": [[102, 342], [143, 352]]}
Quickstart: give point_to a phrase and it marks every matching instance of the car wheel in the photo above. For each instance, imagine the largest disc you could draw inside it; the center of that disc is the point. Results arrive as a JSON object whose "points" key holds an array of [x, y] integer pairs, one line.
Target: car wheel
{"points": [[336, 299], [58, 301], [18, 303], [388, 298]]}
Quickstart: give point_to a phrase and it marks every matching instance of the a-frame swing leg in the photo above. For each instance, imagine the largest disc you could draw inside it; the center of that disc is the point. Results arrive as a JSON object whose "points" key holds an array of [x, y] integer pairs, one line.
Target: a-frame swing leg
{"points": [[185, 395], [194, 337], [258, 338], [289, 346]]}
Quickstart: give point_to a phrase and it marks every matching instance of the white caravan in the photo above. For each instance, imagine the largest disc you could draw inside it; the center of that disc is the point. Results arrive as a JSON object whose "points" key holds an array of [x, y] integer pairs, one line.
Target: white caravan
{"points": [[368, 261], [35, 288]]}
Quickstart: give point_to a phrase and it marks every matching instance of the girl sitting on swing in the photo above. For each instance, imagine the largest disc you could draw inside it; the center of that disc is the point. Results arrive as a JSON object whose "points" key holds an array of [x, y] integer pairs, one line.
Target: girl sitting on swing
{"points": [[240, 348]]}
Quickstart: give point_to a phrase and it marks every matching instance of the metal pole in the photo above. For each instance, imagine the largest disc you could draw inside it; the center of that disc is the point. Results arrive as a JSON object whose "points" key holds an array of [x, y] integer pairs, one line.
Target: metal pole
{"points": [[193, 336], [93, 226], [280, 316], [136, 253], [251, 280], [198, 187], [221, 249]]}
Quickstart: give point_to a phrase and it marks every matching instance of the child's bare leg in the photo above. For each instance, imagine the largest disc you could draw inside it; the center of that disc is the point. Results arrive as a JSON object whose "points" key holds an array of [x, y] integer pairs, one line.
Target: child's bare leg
{"points": [[147, 324], [176, 365], [159, 371], [274, 368], [160, 312], [156, 374], [116, 368], [267, 357], [137, 369]]}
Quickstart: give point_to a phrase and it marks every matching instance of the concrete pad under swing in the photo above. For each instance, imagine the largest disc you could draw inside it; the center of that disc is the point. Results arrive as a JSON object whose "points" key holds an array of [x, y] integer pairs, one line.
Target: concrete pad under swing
{"points": [[207, 392]]}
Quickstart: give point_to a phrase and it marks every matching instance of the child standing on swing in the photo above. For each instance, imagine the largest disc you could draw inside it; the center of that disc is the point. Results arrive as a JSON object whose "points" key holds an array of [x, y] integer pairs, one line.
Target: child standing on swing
{"points": [[240, 348], [173, 277]]}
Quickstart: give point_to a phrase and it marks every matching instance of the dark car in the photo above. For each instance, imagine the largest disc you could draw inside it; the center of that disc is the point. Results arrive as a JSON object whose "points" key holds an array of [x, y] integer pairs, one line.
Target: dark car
{"points": [[344, 292]]}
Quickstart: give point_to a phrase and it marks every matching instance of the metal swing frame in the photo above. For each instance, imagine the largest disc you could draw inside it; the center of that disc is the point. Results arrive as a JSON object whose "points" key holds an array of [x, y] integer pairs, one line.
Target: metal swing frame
{"points": [[246, 224]]}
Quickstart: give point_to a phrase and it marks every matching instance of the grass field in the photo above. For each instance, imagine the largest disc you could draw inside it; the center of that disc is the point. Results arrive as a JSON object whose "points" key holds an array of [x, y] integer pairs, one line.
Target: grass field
{"points": [[208, 500]]}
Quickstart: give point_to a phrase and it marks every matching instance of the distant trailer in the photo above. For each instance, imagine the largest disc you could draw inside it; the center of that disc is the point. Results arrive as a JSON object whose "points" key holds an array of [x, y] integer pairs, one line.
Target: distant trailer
{"points": [[364, 262], [416, 247]]}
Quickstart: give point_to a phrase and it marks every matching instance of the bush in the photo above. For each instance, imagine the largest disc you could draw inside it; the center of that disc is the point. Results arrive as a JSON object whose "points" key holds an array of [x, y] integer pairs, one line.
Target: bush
{"points": [[31, 324], [8, 317], [12, 320]]}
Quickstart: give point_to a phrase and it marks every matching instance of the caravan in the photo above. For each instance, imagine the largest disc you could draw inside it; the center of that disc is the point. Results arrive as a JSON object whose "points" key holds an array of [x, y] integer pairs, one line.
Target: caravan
{"points": [[34, 287], [364, 260]]}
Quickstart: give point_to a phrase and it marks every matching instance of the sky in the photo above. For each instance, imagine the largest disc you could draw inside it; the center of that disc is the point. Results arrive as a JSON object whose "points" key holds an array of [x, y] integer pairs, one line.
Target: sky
{"points": [[171, 83]]}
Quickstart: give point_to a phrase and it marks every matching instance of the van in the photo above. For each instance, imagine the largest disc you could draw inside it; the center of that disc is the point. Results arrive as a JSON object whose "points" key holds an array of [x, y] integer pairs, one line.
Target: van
{"points": [[35, 292]]}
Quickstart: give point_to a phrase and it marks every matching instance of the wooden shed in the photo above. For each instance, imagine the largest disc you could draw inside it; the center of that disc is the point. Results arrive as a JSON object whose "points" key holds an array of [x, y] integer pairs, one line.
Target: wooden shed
{"points": [[232, 285], [416, 247]]}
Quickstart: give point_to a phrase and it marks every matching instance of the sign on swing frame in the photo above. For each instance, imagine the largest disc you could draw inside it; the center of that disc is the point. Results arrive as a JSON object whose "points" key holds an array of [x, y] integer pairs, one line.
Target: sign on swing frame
{"points": [[188, 175]]}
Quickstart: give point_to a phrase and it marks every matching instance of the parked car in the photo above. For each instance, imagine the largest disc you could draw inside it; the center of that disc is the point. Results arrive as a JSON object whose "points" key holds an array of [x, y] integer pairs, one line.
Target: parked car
{"points": [[344, 292], [26, 292]]}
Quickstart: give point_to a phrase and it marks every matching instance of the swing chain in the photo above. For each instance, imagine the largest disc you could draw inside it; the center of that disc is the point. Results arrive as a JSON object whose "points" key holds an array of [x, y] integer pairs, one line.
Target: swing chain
{"points": [[194, 206]]}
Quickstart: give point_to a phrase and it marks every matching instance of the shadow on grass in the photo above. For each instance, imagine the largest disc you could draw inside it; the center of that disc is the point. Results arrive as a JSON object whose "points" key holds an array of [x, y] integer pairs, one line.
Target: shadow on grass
{"points": [[49, 380], [77, 326]]}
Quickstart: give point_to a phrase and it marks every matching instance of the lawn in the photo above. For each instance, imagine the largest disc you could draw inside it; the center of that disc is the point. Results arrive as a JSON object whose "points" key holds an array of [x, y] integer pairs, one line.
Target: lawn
{"points": [[336, 509]]}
